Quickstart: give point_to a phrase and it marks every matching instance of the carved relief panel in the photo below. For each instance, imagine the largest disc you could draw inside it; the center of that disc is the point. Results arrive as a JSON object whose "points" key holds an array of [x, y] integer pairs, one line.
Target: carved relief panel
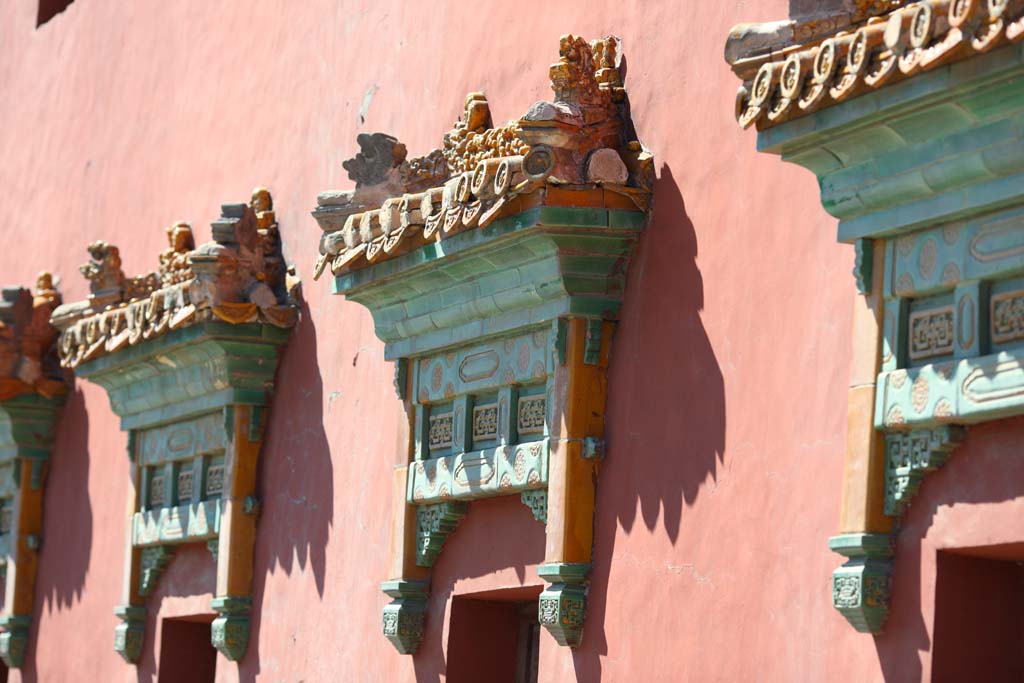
{"points": [[494, 268], [187, 354]]}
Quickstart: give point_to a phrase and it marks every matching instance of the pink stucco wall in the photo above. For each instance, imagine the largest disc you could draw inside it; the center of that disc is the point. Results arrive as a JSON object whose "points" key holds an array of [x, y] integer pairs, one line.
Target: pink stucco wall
{"points": [[726, 420]]}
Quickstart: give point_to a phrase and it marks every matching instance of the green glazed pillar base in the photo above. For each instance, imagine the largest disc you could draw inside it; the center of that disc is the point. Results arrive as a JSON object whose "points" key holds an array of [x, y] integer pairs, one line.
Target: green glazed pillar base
{"points": [[229, 632], [563, 605], [14, 640], [128, 635], [405, 614], [861, 587]]}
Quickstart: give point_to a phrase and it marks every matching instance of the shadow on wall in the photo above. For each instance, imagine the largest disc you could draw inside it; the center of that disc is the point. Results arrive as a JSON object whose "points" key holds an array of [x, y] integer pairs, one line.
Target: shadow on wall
{"points": [[666, 406], [296, 479], [986, 468], [67, 517]]}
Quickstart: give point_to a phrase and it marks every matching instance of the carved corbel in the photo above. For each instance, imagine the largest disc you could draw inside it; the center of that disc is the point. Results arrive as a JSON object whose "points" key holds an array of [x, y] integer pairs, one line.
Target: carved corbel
{"points": [[503, 370], [32, 391], [187, 356]]}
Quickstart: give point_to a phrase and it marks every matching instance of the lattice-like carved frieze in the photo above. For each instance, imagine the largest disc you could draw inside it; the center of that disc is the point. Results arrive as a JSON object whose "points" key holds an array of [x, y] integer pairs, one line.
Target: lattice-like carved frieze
{"points": [[530, 418], [1008, 317], [931, 333], [485, 422], [442, 431]]}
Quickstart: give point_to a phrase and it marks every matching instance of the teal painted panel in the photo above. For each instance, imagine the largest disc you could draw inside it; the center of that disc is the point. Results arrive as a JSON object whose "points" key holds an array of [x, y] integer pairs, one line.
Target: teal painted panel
{"points": [[174, 525], [183, 440], [27, 426], [988, 247], [519, 272], [189, 372], [485, 473], [968, 391], [520, 359], [948, 206]]}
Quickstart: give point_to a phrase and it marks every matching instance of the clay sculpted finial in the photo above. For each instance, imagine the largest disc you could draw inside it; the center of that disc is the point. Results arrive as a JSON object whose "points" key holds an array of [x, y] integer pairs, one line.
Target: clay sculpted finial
{"points": [[379, 153], [477, 112], [174, 267], [261, 200], [27, 354], [572, 76], [106, 279], [45, 293]]}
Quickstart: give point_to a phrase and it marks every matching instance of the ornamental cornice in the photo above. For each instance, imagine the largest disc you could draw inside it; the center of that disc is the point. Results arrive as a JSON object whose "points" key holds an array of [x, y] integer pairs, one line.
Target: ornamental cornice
{"points": [[238, 277], [793, 72], [481, 172]]}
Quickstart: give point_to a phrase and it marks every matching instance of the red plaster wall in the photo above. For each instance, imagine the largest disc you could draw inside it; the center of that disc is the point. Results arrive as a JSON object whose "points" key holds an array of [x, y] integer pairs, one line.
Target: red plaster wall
{"points": [[726, 421]]}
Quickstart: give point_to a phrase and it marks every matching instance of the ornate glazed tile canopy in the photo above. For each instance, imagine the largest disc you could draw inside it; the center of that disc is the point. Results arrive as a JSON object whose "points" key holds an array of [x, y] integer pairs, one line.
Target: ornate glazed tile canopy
{"points": [[802, 72], [494, 269], [239, 277], [187, 354], [32, 390], [481, 172], [911, 124]]}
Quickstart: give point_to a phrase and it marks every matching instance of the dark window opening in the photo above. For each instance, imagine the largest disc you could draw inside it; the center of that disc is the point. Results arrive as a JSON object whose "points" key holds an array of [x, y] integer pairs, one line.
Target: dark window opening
{"points": [[186, 654], [493, 640], [979, 615], [48, 9]]}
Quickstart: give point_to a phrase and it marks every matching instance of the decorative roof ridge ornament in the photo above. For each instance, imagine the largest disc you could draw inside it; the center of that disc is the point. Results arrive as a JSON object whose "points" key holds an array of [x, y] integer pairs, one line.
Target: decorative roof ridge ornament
{"points": [[28, 355], [187, 355], [237, 277], [494, 268], [787, 75], [33, 388], [400, 204]]}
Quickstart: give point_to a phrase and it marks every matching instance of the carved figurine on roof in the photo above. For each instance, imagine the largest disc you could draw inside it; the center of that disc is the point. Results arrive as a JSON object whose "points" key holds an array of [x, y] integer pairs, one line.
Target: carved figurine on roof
{"points": [[187, 354], [908, 114], [582, 137], [494, 268], [33, 388]]}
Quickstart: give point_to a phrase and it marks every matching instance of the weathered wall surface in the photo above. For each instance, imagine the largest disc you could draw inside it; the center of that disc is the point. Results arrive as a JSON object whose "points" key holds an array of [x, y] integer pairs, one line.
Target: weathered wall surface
{"points": [[728, 384]]}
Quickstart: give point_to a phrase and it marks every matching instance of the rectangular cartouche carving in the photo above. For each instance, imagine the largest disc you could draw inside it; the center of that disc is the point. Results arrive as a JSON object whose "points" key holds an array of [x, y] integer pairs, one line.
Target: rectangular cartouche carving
{"points": [[1008, 317], [6, 517], [156, 491], [485, 422], [440, 435], [183, 440], [214, 480], [531, 414], [931, 333], [185, 485]]}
